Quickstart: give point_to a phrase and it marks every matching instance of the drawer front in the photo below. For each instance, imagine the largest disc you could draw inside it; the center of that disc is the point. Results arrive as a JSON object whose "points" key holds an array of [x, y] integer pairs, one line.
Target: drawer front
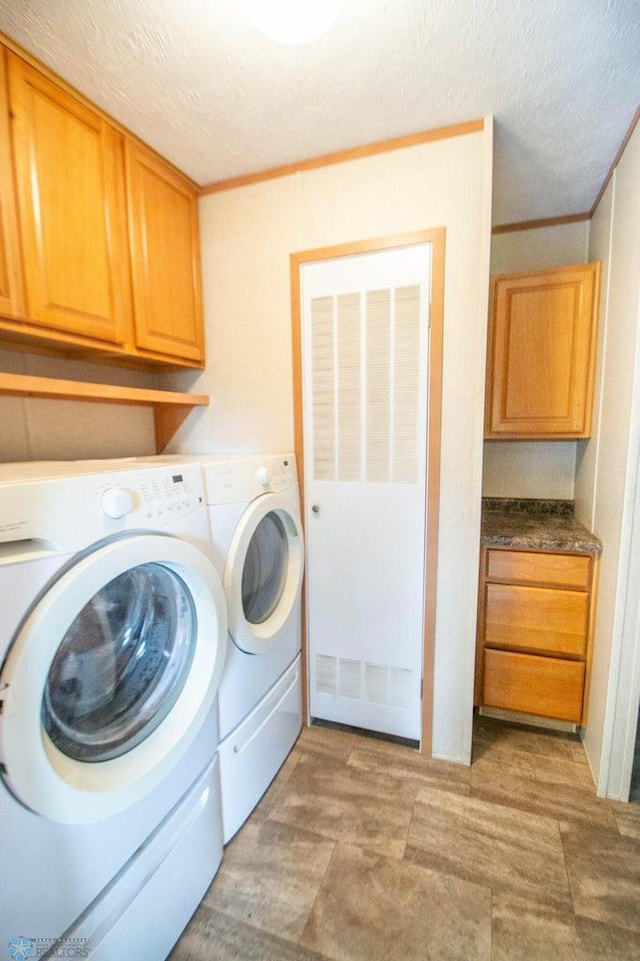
{"points": [[540, 567], [546, 686], [538, 618]]}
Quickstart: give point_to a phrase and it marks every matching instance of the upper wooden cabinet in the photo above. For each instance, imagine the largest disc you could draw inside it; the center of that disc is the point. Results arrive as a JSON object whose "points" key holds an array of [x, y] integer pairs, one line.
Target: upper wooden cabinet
{"points": [[541, 354], [99, 251], [71, 209], [11, 277], [164, 256]]}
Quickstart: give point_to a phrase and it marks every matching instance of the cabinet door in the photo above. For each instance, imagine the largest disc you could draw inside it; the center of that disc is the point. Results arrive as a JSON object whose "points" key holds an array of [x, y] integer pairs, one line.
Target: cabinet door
{"points": [[163, 217], [542, 332], [69, 167], [11, 279]]}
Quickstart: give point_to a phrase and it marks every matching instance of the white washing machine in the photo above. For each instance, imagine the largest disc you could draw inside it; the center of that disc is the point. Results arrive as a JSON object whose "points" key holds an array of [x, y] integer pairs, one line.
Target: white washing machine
{"points": [[113, 635], [258, 547]]}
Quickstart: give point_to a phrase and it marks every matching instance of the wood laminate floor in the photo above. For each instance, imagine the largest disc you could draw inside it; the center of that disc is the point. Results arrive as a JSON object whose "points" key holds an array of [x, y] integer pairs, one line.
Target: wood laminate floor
{"points": [[635, 777], [363, 850]]}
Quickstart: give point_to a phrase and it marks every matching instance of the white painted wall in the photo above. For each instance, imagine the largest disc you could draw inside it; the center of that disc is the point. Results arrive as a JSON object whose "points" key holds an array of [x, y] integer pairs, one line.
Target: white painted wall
{"points": [[539, 469], [247, 236], [606, 479], [68, 430]]}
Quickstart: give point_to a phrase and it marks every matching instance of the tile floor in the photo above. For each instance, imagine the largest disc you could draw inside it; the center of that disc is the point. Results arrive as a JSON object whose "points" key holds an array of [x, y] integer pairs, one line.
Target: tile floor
{"points": [[635, 777], [363, 850]]}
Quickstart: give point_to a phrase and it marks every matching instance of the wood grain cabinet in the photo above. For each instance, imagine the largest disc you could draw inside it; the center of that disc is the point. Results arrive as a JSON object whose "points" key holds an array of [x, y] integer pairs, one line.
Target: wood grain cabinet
{"points": [[11, 276], [108, 256], [534, 631], [541, 354], [163, 219], [71, 210]]}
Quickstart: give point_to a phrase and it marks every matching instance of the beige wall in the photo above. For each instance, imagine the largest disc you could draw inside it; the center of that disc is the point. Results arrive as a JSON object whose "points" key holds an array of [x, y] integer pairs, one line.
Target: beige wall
{"points": [[533, 469], [514, 468], [606, 482], [66, 430], [543, 247], [247, 236]]}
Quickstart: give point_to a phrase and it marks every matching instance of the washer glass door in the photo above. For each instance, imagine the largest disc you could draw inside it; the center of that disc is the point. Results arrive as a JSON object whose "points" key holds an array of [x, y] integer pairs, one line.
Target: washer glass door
{"points": [[121, 664], [111, 675]]}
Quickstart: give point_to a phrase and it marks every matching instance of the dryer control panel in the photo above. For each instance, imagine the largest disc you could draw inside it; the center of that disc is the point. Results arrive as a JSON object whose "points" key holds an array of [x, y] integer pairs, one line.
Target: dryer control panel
{"points": [[242, 479], [277, 476]]}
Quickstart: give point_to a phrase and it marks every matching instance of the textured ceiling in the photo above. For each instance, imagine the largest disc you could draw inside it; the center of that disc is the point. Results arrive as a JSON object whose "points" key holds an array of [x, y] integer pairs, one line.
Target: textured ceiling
{"points": [[194, 80]]}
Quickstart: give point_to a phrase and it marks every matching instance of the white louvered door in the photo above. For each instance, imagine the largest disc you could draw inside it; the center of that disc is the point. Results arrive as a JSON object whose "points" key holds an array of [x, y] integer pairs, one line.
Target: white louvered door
{"points": [[365, 329]]}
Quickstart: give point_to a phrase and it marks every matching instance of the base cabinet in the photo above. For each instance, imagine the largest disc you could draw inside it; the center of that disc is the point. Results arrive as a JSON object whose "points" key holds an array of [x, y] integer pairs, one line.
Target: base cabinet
{"points": [[534, 632]]}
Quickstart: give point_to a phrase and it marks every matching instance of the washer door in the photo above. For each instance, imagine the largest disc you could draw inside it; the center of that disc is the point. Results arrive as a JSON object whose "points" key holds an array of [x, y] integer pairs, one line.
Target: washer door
{"points": [[263, 572], [110, 677]]}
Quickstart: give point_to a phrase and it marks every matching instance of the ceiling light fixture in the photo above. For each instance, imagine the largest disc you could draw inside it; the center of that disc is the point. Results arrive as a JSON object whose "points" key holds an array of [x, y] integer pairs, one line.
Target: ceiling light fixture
{"points": [[292, 21]]}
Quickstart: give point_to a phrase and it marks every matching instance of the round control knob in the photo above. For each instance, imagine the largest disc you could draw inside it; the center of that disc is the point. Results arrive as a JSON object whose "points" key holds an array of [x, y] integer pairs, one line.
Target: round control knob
{"points": [[116, 502], [264, 475]]}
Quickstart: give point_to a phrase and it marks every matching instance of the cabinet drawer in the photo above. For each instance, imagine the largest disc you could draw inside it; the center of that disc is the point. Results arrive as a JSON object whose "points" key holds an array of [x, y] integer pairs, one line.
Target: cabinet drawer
{"points": [[546, 686], [540, 567], [540, 618]]}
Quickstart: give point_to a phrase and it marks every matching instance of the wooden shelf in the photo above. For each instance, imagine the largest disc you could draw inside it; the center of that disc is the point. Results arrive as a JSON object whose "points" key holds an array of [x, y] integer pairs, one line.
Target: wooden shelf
{"points": [[169, 408]]}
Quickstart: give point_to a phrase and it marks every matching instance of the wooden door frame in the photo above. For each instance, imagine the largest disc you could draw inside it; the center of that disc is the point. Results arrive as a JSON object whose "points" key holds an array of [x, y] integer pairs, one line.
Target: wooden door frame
{"points": [[435, 237]]}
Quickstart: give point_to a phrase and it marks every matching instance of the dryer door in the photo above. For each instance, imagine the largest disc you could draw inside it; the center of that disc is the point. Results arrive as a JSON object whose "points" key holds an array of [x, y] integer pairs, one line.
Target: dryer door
{"points": [[110, 676], [263, 572]]}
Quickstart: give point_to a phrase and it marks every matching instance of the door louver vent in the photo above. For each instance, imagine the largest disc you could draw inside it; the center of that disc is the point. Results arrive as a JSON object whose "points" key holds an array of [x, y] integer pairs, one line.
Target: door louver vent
{"points": [[323, 375], [349, 376], [382, 684], [365, 367]]}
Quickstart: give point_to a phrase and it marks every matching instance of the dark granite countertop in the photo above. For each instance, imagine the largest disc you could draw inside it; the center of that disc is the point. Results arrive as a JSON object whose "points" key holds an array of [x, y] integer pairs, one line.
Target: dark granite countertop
{"points": [[536, 524]]}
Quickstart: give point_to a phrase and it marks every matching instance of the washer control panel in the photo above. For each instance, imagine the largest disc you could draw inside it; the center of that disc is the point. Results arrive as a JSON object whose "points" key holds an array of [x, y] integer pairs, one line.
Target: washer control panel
{"points": [[116, 502], [150, 498], [168, 494]]}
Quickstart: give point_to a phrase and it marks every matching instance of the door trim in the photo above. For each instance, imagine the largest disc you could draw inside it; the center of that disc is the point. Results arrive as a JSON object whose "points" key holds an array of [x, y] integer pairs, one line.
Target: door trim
{"points": [[435, 237]]}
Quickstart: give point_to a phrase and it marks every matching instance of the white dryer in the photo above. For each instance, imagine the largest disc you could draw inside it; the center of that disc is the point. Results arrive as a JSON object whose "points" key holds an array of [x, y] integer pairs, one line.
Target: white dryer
{"points": [[113, 634], [258, 548]]}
